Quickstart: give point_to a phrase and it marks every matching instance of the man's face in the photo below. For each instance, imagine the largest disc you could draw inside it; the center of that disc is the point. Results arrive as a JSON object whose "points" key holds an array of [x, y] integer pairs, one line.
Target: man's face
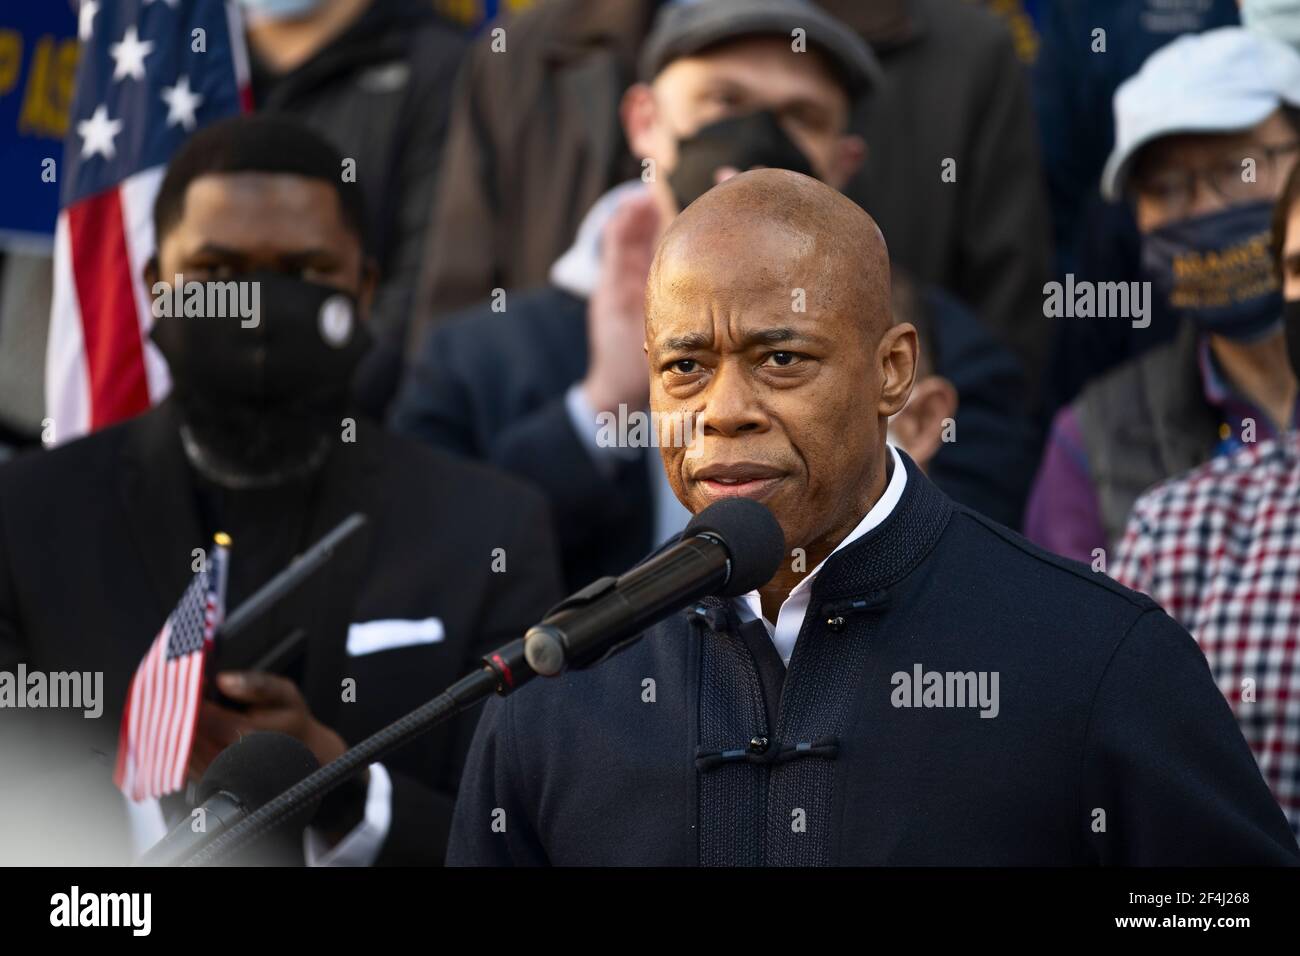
{"points": [[237, 223], [785, 404], [1178, 177], [742, 77]]}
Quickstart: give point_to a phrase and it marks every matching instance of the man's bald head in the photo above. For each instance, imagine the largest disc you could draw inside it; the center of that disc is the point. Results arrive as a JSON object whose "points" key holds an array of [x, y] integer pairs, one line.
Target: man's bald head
{"points": [[768, 325], [767, 227]]}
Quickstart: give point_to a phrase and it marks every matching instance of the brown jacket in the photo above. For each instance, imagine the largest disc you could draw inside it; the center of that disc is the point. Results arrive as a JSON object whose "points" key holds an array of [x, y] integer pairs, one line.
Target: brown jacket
{"points": [[535, 139]]}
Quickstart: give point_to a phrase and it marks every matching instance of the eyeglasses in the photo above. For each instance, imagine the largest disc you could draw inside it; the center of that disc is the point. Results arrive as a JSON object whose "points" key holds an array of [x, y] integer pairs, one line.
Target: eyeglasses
{"points": [[1231, 179]]}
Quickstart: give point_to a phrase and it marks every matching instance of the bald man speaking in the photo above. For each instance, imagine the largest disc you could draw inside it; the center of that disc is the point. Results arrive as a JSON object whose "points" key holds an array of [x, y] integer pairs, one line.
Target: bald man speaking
{"points": [[916, 685]]}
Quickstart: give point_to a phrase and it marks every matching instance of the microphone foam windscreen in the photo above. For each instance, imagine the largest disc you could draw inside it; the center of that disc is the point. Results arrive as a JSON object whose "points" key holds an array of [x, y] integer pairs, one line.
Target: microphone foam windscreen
{"points": [[257, 768], [752, 537]]}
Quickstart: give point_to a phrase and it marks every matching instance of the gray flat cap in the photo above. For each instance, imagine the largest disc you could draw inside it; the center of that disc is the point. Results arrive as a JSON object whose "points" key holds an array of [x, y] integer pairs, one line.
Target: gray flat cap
{"points": [[685, 27]]}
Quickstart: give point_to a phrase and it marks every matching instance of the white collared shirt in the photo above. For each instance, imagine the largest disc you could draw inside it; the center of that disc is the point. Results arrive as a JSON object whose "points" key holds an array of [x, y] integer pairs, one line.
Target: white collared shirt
{"points": [[789, 619]]}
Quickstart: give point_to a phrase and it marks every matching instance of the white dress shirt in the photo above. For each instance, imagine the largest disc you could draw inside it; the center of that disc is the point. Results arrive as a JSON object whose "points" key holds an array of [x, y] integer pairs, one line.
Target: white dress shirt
{"points": [[789, 619], [361, 845]]}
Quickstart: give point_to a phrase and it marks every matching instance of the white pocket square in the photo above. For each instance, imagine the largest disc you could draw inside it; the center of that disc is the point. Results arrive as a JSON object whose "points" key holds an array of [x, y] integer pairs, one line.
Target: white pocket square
{"points": [[372, 636]]}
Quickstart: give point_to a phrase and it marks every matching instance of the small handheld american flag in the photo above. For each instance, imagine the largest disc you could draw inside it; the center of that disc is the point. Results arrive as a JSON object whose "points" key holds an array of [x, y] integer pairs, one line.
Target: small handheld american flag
{"points": [[162, 705]]}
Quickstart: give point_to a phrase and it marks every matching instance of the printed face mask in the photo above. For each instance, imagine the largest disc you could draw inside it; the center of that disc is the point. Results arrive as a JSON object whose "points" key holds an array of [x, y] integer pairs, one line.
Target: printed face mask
{"points": [[262, 398], [755, 139], [1217, 270]]}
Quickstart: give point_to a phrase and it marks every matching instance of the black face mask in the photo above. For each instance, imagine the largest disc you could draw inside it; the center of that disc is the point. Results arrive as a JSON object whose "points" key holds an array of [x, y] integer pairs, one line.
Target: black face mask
{"points": [[1291, 323], [755, 139], [262, 397]]}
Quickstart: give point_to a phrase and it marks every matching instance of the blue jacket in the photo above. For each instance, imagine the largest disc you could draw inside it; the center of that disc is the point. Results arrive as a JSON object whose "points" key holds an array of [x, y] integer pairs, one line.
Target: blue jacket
{"points": [[1106, 741]]}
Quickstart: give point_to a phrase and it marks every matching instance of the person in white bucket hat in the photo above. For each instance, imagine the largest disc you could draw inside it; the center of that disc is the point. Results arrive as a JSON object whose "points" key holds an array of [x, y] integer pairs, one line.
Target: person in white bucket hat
{"points": [[1205, 135], [1227, 80]]}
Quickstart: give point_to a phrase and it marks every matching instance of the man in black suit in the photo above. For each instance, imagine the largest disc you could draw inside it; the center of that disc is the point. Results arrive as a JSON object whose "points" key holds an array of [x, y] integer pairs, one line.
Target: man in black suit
{"points": [[98, 538]]}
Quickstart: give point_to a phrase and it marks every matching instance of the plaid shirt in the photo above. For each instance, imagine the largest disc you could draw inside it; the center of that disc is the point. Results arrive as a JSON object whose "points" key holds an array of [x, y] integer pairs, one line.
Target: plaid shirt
{"points": [[1219, 549]]}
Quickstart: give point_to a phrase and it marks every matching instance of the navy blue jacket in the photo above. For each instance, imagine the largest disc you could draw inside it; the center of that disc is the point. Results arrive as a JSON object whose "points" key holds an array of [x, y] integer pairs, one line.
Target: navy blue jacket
{"points": [[490, 385], [1110, 745]]}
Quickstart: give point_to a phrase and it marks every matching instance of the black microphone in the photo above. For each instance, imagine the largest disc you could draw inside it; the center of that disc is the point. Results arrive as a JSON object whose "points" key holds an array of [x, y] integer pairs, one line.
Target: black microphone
{"points": [[244, 776], [730, 548]]}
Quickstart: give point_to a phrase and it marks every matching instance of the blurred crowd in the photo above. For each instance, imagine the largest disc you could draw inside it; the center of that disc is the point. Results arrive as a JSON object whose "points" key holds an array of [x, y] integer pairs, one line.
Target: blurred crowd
{"points": [[1091, 206]]}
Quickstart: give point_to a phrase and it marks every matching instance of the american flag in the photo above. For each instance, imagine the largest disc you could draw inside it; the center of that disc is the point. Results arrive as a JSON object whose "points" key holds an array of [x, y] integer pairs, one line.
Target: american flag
{"points": [[150, 73], [162, 706]]}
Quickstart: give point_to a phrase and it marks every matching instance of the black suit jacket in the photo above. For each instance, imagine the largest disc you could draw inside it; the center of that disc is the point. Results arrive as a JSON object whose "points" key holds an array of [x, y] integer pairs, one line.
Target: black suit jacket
{"points": [[95, 549], [491, 386]]}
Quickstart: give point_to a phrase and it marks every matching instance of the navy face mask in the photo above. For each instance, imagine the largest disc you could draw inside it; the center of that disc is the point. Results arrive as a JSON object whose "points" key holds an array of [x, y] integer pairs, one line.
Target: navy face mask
{"points": [[754, 139], [261, 400], [1217, 271]]}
